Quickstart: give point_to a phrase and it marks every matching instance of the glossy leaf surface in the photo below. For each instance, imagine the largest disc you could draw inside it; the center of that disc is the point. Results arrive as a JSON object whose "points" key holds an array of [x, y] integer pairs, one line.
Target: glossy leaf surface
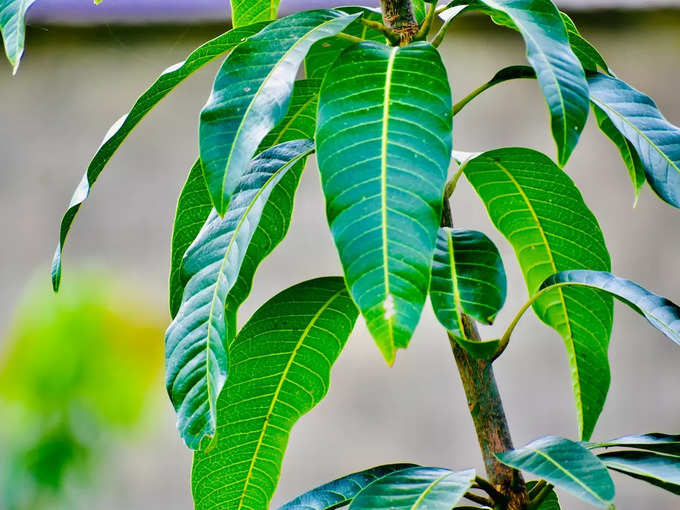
{"points": [[661, 313], [660, 470], [117, 134], [536, 206], [589, 57], [252, 93], [468, 277], [637, 117], [13, 29], [279, 369], [567, 465], [417, 488], [384, 146], [551, 502], [245, 12], [196, 340], [342, 491], [653, 442]]}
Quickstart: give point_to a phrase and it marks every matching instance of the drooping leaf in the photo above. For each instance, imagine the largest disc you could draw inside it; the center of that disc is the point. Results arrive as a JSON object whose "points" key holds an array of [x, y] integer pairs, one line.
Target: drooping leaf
{"points": [[324, 53], [13, 29], [661, 313], [166, 83], [660, 470], [245, 12], [536, 206], [383, 177], [551, 502], [196, 340], [637, 117], [416, 488], [653, 442], [342, 491], [560, 74], [251, 95], [468, 277], [589, 57], [279, 369], [567, 465]]}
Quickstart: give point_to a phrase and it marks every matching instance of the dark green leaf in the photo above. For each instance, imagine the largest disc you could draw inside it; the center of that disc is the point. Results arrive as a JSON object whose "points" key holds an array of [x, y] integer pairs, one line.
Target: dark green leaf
{"points": [[13, 29], [653, 442], [551, 502], [637, 117], [468, 277], [341, 491], [417, 488], [659, 311], [536, 206], [383, 153], [660, 470], [245, 12], [279, 369], [479, 350], [419, 10], [196, 358], [590, 58], [567, 465], [170, 78], [560, 74], [251, 95]]}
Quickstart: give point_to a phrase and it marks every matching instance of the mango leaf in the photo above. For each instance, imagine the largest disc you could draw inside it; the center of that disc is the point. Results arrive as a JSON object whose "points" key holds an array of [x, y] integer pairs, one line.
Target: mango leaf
{"points": [[166, 83], [13, 29], [536, 206], [279, 370], [324, 53], [416, 488], [660, 470], [196, 340], [485, 350], [637, 117], [383, 177], [551, 502], [567, 465], [589, 57], [468, 277], [245, 12], [560, 74], [251, 95], [653, 442], [419, 10], [342, 491], [659, 311]]}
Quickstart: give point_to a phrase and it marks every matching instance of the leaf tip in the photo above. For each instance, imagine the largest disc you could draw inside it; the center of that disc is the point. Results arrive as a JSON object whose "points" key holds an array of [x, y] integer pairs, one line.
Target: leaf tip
{"points": [[56, 270]]}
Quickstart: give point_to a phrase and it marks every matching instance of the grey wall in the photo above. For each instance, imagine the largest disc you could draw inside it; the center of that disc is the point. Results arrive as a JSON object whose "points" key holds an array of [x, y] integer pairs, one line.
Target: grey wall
{"points": [[74, 84]]}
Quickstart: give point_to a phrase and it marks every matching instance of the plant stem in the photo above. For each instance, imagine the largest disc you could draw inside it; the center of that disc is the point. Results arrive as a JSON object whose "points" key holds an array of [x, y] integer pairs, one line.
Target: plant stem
{"points": [[540, 497], [480, 500], [398, 15]]}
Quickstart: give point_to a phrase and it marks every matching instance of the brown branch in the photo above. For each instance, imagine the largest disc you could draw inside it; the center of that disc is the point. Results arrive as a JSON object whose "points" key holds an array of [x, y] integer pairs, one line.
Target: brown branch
{"points": [[398, 15]]}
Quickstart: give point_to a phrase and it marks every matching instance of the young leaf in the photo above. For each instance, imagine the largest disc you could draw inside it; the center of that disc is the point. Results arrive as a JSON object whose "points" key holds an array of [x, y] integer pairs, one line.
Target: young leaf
{"points": [[467, 277], [653, 442], [383, 153], [659, 311], [251, 95], [637, 117], [279, 370], [567, 465], [416, 488], [245, 12], [196, 340], [536, 206], [660, 470], [342, 491], [13, 29], [551, 501], [166, 83], [560, 74]]}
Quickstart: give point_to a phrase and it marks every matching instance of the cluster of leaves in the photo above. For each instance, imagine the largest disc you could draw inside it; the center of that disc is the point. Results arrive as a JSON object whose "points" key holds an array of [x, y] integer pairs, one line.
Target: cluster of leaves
{"points": [[378, 113]]}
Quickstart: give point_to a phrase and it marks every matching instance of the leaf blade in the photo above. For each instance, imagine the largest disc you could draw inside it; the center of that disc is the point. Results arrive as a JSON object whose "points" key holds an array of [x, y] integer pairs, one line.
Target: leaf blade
{"points": [[245, 12], [660, 470], [653, 442], [13, 29]]}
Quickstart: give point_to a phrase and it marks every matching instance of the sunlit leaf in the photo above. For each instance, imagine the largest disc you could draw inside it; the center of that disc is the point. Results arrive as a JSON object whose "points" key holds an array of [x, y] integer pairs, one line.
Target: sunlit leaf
{"points": [[245, 12]]}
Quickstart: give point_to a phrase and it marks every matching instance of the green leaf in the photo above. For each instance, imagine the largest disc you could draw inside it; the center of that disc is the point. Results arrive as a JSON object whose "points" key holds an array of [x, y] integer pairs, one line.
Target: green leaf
{"points": [[117, 134], [468, 277], [251, 95], [589, 57], [636, 169], [660, 470], [637, 117], [659, 311], [196, 340], [417, 488], [537, 207], [551, 502], [324, 53], [653, 442], [560, 74], [279, 369], [485, 350], [567, 465], [419, 10], [13, 29], [383, 153], [245, 12], [342, 491]]}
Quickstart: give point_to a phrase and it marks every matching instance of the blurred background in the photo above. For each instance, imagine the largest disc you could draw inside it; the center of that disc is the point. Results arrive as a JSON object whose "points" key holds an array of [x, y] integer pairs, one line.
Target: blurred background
{"points": [[85, 420]]}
